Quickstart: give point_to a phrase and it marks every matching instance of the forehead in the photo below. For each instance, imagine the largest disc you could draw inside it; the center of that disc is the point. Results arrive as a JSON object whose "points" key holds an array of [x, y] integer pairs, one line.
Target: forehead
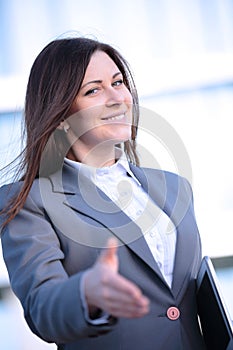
{"points": [[100, 63]]}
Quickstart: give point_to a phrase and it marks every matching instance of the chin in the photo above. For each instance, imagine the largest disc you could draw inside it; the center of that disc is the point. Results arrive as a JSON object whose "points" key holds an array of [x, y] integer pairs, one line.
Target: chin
{"points": [[122, 134], [121, 138]]}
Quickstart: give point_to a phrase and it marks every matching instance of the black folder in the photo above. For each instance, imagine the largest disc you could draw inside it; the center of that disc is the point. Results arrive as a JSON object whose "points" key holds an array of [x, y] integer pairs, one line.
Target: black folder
{"points": [[214, 316]]}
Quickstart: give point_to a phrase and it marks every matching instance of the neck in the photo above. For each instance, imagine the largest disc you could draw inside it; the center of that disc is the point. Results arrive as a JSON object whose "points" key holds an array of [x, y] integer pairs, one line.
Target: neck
{"points": [[98, 157]]}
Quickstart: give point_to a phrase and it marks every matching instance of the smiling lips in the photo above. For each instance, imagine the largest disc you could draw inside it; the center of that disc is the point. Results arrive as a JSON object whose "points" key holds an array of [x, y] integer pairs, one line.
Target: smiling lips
{"points": [[116, 117]]}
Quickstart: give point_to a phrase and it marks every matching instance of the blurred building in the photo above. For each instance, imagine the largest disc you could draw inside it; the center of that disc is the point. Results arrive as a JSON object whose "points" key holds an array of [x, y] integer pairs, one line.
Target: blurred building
{"points": [[181, 54]]}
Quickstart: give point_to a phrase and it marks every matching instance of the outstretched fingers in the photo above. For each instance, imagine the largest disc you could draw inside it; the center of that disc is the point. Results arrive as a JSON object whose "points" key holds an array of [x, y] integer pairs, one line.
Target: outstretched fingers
{"points": [[106, 289]]}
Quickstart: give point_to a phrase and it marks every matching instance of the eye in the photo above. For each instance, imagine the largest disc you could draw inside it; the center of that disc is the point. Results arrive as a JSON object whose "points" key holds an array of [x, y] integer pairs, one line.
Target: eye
{"points": [[118, 82], [91, 91]]}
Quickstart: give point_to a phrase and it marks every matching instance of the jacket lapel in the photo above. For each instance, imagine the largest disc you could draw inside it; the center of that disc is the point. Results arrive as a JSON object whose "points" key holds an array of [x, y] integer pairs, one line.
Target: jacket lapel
{"points": [[174, 197], [118, 223], [84, 197]]}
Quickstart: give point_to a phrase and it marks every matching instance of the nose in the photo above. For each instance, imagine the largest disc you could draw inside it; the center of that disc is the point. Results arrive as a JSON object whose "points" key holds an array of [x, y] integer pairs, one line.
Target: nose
{"points": [[114, 97]]}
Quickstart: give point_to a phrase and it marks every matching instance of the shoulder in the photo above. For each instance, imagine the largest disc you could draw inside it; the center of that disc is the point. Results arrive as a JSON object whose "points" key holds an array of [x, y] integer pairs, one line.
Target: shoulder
{"points": [[10, 191], [170, 180], [171, 176]]}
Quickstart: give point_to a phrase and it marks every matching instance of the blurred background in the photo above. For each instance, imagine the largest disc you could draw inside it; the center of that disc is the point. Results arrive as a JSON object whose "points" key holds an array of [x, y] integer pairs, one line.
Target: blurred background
{"points": [[181, 55]]}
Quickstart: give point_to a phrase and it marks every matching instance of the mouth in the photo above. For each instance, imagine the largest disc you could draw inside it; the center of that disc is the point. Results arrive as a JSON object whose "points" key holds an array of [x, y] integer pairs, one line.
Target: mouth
{"points": [[114, 117]]}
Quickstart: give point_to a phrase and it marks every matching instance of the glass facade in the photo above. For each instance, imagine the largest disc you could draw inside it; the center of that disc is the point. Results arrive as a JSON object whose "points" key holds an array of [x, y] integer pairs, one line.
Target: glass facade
{"points": [[181, 54]]}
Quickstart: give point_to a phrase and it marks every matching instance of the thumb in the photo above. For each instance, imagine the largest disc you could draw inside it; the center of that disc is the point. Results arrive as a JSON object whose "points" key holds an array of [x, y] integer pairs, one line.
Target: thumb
{"points": [[109, 255]]}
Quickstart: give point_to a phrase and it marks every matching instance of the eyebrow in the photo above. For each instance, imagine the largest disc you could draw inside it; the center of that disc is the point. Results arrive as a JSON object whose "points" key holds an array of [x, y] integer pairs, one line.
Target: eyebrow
{"points": [[99, 81]]}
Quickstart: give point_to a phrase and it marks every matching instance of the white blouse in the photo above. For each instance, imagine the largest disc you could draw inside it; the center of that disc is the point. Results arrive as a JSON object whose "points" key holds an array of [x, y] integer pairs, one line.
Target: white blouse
{"points": [[121, 186]]}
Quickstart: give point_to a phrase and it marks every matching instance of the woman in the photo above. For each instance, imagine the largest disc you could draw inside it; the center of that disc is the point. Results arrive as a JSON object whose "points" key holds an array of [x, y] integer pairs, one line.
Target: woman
{"points": [[101, 252]]}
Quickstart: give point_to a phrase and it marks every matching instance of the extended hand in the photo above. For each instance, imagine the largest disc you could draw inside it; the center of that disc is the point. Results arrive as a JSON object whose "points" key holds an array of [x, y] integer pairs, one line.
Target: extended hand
{"points": [[107, 290]]}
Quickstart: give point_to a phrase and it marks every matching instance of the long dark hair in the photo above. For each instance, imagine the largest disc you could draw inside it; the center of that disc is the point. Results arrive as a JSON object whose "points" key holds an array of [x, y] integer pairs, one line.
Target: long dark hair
{"points": [[54, 82]]}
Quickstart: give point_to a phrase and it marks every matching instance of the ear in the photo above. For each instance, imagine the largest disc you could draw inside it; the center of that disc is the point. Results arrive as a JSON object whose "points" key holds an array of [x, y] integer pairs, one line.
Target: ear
{"points": [[64, 126]]}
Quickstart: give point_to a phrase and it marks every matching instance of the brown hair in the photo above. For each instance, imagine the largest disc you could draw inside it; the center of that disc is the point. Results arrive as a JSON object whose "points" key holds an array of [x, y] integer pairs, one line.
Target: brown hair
{"points": [[54, 82]]}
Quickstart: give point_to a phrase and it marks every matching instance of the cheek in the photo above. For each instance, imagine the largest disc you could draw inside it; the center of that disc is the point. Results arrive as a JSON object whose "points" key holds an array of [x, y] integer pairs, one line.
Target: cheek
{"points": [[128, 97], [79, 124], [85, 120], [87, 109], [76, 107]]}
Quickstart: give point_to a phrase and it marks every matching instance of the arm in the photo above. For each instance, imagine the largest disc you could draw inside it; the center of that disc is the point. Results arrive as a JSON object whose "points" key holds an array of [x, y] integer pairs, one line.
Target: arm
{"points": [[51, 299], [107, 290]]}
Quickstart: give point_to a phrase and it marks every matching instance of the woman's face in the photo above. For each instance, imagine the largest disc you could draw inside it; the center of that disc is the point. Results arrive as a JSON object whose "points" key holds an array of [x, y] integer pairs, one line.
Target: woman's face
{"points": [[102, 110]]}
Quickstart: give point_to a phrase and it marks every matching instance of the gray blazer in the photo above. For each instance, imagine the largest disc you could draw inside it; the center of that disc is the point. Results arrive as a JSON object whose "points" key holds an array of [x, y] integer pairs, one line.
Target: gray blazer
{"points": [[59, 234]]}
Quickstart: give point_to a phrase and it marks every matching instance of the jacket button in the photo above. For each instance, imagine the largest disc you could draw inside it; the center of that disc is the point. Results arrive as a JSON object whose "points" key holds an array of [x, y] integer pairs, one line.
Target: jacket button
{"points": [[173, 313]]}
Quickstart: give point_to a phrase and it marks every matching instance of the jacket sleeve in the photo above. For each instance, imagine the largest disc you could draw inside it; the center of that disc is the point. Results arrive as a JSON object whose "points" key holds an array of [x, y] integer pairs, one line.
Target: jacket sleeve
{"points": [[50, 298]]}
